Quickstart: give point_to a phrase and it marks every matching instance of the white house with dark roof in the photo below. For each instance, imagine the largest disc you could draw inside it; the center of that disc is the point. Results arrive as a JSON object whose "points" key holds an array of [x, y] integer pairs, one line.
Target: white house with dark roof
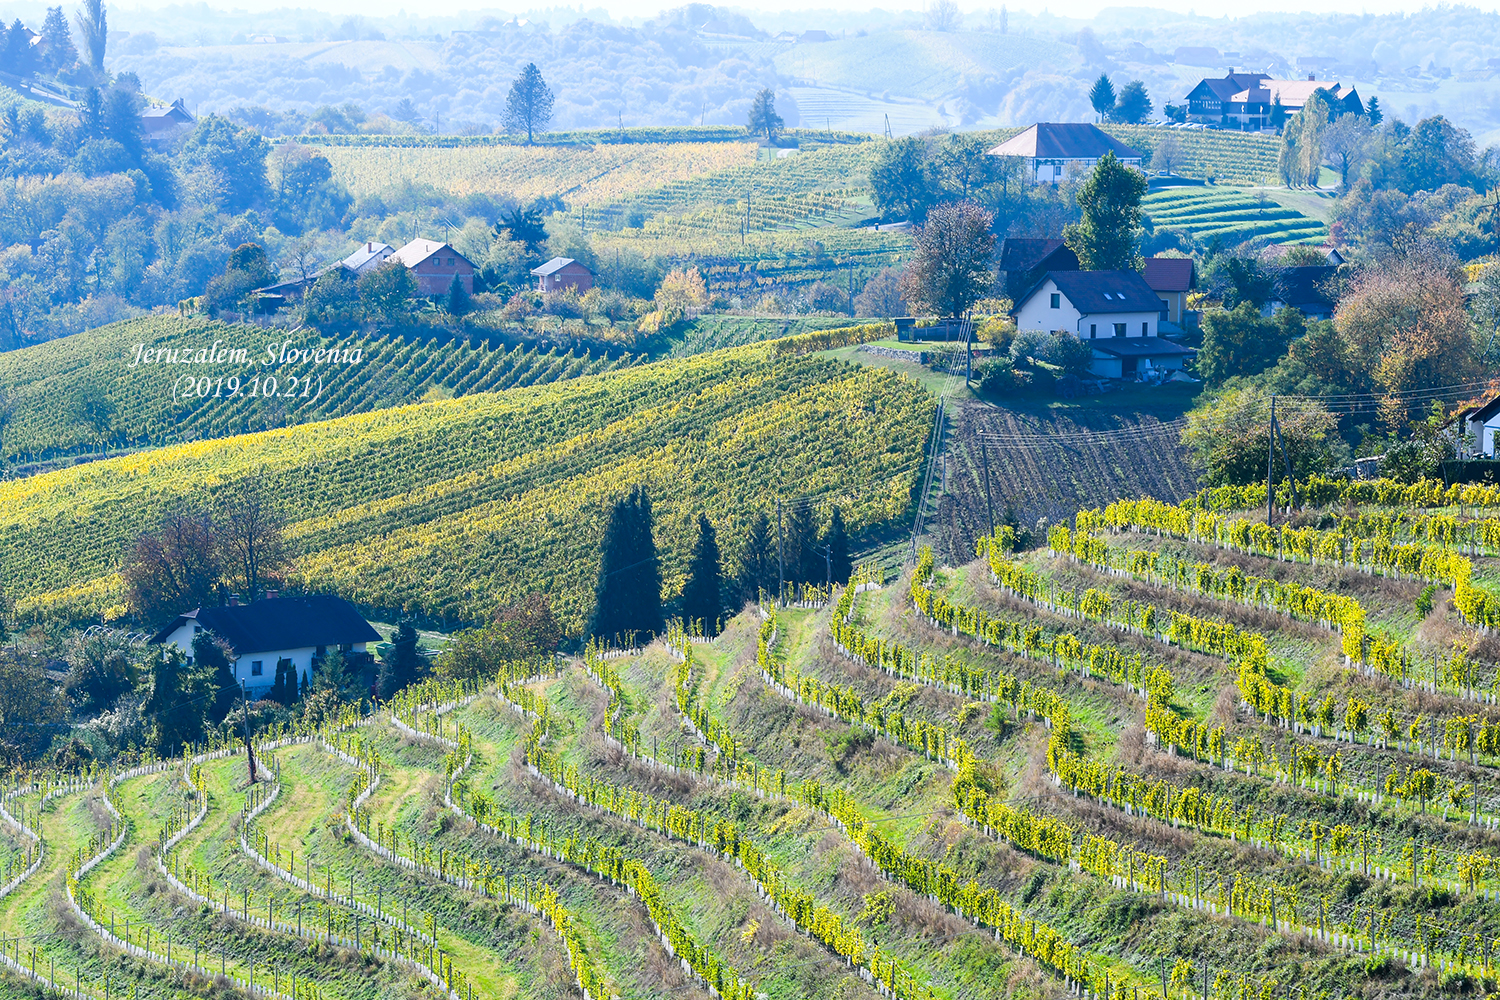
{"points": [[1115, 311], [1054, 151], [264, 633]]}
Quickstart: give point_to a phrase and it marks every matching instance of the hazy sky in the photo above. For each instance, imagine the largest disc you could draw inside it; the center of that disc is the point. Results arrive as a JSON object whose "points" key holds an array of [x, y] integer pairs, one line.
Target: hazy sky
{"points": [[648, 8]]}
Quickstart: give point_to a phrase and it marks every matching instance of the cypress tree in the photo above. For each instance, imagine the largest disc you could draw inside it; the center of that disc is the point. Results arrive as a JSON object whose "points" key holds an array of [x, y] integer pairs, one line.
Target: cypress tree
{"points": [[837, 539], [755, 565], [278, 687], [305, 685], [400, 666], [700, 595], [804, 563], [627, 595]]}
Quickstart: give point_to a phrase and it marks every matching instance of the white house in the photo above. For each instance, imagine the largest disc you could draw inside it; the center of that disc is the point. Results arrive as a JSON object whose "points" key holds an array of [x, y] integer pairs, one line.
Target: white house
{"points": [[1051, 152], [264, 633], [1481, 425], [368, 257], [1115, 311]]}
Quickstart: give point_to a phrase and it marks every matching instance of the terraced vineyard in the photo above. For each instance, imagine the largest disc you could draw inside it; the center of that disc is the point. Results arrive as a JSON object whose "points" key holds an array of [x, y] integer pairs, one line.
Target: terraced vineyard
{"points": [[452, 507], [52, 386], [1227, 157], [1206, 214], [1069, 767]]}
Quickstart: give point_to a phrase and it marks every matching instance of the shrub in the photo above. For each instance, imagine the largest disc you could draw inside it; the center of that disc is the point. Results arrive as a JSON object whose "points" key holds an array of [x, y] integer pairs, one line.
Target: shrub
{"points": [[1423, 605], [1073, 356], [1028, 346]]}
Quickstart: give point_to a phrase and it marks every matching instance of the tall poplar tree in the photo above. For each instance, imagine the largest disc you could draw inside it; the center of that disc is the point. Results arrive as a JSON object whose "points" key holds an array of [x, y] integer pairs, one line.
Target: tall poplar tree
{"points": [[701, 601]]}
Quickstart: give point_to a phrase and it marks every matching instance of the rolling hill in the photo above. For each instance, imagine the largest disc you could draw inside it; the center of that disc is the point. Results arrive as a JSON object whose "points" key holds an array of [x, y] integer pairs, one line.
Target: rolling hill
{"points": [[449, 507]]}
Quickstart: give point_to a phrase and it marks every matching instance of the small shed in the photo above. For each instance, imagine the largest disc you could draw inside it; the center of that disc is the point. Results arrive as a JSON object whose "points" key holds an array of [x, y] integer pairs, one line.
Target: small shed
{"points": [[562, 273]]}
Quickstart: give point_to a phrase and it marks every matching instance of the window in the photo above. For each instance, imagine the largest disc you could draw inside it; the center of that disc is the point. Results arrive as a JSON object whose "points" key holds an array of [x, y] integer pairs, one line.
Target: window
{"points": [[1119, 329], [1145, 329], [1056, 301], [256, 668], [1093, 331]]}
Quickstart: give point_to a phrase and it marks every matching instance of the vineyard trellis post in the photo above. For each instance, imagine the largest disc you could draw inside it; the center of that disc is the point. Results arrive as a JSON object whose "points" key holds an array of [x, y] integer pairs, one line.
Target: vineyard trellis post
{"points": [[989, 503]]}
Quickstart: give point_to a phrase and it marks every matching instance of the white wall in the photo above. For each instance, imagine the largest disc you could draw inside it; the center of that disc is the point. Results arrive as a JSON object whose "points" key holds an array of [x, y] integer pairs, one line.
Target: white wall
{"points": [[1038, 314], [257, 686]]}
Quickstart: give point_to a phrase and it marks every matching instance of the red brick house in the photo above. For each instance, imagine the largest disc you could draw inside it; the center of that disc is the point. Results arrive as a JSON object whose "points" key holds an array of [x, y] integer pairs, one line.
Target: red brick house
{"points": [[434, 265], [562, 273]]}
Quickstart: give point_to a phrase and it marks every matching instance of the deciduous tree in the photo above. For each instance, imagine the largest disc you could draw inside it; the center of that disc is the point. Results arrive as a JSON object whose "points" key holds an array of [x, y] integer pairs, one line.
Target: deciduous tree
{"points": [[176, 568], [901, 179], [951, 264]]}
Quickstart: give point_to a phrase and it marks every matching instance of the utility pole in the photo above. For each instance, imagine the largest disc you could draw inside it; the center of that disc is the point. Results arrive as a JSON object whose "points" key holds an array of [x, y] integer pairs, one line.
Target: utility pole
{"points": [[968, 349], [828, 559]]}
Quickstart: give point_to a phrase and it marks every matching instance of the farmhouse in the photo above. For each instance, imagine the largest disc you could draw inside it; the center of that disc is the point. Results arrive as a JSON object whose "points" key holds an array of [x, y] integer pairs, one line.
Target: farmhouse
{"points": [[1171, 278], [435, 265], [1115, 311], [1244, 100], [562, 273], [367, 258], [165, 124], [1053, 151], [274, 632]]}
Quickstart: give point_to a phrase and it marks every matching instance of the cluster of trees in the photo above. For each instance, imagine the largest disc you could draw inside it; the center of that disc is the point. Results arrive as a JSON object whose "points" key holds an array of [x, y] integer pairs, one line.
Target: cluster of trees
{"points": [[1131, 106], [911, 175], [628, 599], [54, 56]]}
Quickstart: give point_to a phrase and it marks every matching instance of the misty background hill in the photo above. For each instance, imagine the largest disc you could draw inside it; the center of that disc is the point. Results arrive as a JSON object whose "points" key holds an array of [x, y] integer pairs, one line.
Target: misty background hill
{"points": [[700, 64]]}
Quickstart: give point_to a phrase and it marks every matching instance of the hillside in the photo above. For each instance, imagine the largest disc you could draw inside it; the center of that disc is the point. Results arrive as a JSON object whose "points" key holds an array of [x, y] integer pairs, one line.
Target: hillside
{"points": [[1132, 755], [56, 389], [1231, 216], [451, 507]]}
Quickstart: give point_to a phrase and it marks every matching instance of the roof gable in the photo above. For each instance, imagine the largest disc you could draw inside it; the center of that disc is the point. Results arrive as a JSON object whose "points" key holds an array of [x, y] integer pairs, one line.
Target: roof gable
{"points": [[1169, 274], [1064, 141], [1022, 255], [419, 250], [557, 264]]}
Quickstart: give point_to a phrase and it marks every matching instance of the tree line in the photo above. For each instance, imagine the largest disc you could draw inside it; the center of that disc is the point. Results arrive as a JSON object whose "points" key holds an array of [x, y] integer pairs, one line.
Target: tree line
{"points": [[795, 549]]}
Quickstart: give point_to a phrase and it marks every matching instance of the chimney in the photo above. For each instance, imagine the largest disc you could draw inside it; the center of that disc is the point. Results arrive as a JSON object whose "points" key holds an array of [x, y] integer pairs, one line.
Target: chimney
{"points": [[1312, 76], [271, 595], [234, 600], [369, 248]]}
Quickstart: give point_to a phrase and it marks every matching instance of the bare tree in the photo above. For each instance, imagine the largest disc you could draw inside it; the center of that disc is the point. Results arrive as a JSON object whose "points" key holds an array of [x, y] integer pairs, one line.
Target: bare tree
{"points": [[249, 524], [944, 15], [1167, 154]]}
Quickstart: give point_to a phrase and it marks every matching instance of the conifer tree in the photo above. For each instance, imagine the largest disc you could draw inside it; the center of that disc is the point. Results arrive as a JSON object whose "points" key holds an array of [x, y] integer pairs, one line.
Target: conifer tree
{"points": [[215, 659], [837, 540], [400, 666], [279, 686], [800, 545], [627, 596], [700, 595], [755, 566], [178, 715]]}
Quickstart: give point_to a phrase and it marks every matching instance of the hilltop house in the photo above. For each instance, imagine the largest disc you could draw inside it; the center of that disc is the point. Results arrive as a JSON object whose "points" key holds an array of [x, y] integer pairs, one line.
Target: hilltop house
{"points": [[434, 265], [562, 273], [165, 124], [1171, 278], [1115, 311], [1024, 261], [1053, 151], [1244, 100], [273, 632]]}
